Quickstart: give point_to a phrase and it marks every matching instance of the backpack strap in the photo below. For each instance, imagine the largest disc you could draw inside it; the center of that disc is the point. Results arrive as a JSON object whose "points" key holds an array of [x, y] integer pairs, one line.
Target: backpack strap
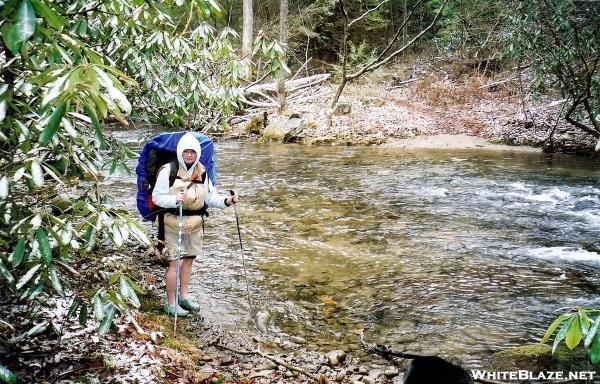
{"points": [[174, 167]]}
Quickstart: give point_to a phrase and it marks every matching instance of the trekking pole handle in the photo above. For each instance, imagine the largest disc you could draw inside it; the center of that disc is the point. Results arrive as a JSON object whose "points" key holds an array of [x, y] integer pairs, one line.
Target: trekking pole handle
{"points": [[232, 193]]}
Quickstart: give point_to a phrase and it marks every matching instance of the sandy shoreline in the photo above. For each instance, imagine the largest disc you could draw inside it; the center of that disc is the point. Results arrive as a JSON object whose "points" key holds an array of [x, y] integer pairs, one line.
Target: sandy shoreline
{"points": [[460, 141]]}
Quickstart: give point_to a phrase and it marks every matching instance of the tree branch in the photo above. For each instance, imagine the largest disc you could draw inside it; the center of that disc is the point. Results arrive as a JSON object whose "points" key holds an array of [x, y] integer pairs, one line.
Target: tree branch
{"points": [[375, 65], [367, 12]]}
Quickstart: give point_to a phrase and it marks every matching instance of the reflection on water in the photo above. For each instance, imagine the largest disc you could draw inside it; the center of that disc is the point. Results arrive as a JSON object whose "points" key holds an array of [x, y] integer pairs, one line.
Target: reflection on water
{"points": [[463, 252]]}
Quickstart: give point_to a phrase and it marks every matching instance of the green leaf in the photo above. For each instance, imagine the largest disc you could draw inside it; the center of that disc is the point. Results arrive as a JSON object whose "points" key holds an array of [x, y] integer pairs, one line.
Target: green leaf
{"points": [[7, 376], [555, 325], [18, 252], [574, 335], [128, 292], [28, 275], [9, 35], [33, 292], [44, 244], [2, 110], [106, 322], [83, 314], [592, 332], [73, 308], [91, 112], [25, 22], [37, 329], [55, 280], [595, 350], [98, 307], [55, 20], [53, 123], [113, 278], [134, 285], [215, 7], [562, 333], [6, 273], [90, 237]]}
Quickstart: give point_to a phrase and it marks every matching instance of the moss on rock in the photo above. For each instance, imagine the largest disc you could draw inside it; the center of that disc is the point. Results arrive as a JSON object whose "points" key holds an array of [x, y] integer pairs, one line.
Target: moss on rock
{"points": [[256, 124], [537, 358]]}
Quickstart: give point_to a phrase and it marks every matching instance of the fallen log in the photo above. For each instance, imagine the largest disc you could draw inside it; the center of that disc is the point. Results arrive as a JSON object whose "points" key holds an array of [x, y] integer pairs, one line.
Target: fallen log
{"points": [[290, 86]]}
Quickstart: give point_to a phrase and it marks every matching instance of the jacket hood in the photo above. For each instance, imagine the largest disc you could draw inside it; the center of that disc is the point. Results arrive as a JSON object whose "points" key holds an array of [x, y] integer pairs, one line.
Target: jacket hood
{"points": [[188, 141]]}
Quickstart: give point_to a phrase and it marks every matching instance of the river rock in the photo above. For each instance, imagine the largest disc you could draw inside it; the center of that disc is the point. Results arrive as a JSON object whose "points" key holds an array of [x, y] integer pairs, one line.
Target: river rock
{"points": [[335, 357], [284, 130], [342, 108], [293, 127], [257, 123], [362, 370], [368, 380], [391, 372], [298, 339], [263, 373], [207, 358], [268, 364], [262, 321], [341, 375], [537, 358], [289, 374], [375, 373]]}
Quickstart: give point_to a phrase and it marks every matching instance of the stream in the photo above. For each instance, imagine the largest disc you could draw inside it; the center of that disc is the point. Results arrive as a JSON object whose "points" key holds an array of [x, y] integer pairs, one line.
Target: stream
{"points": [[460, 252]]}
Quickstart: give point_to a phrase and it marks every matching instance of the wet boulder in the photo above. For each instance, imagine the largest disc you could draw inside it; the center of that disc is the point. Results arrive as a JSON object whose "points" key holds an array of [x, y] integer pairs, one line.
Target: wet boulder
{"points": [[257, 124], [285, 130]]}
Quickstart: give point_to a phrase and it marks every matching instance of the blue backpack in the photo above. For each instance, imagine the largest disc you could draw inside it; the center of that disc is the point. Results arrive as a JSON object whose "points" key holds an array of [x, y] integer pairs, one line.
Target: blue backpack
{"points": [[160, 150]]}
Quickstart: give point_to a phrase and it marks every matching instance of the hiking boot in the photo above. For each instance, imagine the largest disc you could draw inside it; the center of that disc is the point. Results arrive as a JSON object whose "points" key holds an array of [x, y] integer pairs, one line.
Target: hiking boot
{"points": [[170, 310], [189, 304]]}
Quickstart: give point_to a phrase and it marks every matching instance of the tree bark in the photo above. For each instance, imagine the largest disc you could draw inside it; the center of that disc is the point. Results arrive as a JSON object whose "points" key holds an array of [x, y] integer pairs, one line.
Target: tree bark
{"points": [[248, 21], [284, 8]]}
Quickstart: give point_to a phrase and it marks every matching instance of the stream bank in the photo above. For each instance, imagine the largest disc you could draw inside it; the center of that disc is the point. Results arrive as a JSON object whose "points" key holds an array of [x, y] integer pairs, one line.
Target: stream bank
{"points": [[380, 109]]}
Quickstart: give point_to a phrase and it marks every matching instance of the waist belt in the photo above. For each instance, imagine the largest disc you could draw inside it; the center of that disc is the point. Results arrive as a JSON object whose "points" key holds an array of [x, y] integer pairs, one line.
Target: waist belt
{"points": [[186, 212]]}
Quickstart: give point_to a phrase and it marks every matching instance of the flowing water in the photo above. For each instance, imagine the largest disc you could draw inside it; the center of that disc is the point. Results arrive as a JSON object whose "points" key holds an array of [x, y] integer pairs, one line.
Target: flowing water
{"points": [[454, 251]]}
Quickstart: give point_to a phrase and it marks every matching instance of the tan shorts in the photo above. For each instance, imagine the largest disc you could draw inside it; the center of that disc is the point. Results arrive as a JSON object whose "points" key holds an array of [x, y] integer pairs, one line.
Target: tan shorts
{"points": [[191, 244]]}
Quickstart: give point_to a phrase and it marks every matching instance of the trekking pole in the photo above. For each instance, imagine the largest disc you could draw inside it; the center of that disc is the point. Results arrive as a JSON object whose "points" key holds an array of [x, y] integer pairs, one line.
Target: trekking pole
{"points": [[237, 221], [177, 258]]}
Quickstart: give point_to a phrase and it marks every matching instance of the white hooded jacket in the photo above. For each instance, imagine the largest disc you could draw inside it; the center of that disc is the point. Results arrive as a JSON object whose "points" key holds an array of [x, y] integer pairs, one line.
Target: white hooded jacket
{"points": [[161, 195]]}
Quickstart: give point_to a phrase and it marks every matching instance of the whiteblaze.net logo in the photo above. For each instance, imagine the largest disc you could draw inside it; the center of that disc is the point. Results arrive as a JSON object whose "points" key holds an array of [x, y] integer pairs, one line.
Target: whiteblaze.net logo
{"points": [[529, 375]]}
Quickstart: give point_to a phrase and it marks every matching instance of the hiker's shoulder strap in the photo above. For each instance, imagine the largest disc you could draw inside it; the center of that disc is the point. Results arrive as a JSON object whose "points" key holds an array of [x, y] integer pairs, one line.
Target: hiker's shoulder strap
{"points": [[174, 167]]}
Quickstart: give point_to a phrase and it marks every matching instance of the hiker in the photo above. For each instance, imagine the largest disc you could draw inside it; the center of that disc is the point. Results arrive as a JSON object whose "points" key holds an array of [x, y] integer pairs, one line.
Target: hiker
{"points": [[192, 188]]}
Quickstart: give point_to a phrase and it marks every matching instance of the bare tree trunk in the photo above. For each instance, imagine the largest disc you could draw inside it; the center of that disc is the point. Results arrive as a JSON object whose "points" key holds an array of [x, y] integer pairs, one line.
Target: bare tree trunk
{"points": [[248, 20], [284, 8], [344, 80], [404, 21]]}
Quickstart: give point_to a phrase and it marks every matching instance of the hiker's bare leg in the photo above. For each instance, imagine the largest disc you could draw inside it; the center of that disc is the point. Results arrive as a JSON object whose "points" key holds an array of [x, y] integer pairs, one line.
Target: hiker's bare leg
{"points": [[186, 273], [171, 282]]}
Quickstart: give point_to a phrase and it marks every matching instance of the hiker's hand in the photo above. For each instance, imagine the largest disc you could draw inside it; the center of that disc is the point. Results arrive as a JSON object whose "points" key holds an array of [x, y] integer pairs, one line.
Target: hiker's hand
{"points": [[232, 198], [180, 197]]}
